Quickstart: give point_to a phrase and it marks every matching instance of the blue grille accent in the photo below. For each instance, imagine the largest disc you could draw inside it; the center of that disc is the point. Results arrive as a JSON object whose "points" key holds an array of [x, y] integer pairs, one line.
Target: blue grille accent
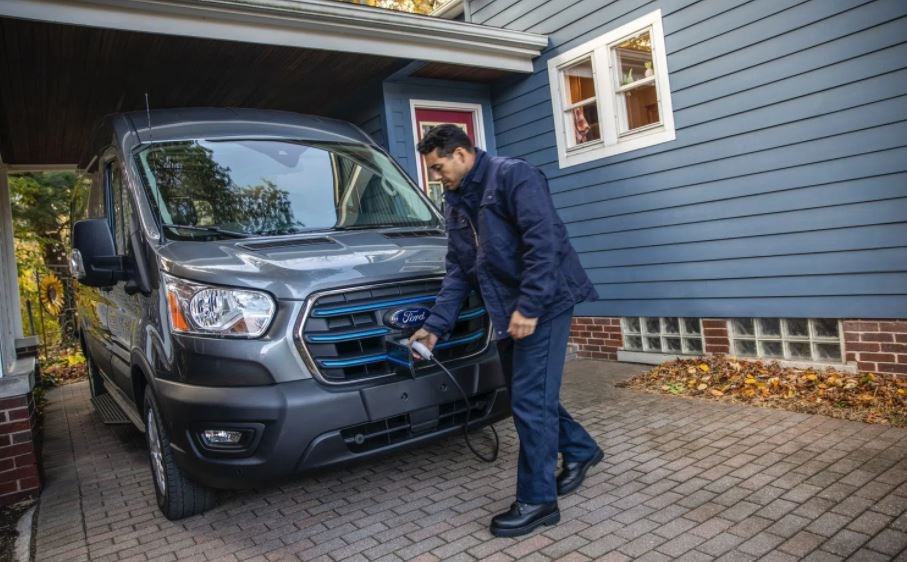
{"points": [[338, 363], [458, 341], [347, 336], [324, 312], [470, 314]]}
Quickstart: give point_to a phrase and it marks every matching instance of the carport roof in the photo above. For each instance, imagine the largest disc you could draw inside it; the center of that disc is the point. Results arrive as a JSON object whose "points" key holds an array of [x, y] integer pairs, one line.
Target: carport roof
{"points": [[66, 63]]}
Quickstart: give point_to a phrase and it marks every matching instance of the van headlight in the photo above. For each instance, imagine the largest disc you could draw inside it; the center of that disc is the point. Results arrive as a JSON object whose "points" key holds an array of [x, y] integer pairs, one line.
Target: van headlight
{"points": [[206, 310]]}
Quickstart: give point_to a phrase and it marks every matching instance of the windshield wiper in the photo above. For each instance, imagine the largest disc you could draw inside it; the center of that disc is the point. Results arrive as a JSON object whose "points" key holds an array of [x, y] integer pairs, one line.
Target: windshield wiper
{"points": [[208, 229]]}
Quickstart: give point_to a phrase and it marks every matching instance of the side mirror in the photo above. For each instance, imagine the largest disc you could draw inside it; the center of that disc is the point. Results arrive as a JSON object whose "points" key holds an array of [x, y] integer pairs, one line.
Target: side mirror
{"points": [[93, 260]]}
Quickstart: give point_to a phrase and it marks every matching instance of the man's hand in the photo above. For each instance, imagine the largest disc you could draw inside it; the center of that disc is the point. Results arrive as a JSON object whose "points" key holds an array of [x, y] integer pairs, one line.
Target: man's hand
{"points": [[520, 326], [424, 337]]}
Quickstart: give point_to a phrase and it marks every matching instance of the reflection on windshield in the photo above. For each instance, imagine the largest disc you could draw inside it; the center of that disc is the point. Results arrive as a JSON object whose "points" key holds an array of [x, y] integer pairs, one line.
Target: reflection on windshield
{"points": [[267, 187]]}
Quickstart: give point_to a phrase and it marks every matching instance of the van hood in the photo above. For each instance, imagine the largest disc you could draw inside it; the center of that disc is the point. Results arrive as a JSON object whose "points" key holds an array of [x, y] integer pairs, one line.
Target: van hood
{"points": [[293, 268]]}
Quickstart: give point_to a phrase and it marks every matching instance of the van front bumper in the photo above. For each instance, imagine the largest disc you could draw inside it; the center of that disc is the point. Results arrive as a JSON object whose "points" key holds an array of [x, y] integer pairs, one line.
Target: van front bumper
{"points": [[303, 425]]}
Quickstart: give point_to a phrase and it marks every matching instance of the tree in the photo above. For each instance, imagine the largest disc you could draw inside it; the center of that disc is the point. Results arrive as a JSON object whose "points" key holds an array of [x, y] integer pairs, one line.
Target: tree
{"points": [[411, 6], [40, 207]]}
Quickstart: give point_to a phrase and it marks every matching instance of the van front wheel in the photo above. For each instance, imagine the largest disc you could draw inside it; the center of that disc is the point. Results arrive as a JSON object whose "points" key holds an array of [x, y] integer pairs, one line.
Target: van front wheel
{"points": [[177, 495]]}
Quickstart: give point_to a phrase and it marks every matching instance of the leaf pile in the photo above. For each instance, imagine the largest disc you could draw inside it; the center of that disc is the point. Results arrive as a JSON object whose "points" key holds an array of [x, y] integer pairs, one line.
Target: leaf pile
{"points": [[866, 397], [65, 367]]}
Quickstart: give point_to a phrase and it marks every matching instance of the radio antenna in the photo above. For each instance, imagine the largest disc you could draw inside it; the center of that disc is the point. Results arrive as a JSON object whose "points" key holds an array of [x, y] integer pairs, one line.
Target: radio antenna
{"points": [[148, 115]]}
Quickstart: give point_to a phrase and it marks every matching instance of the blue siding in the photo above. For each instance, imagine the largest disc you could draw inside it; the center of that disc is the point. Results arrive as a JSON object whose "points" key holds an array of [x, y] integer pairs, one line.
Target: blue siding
{"points": [[370, 117], [397, 96], [785, 191]]}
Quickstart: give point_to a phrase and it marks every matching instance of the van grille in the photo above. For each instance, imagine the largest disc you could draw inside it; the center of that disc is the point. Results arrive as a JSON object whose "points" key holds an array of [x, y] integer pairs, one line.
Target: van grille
{"points": [[346, 334]]}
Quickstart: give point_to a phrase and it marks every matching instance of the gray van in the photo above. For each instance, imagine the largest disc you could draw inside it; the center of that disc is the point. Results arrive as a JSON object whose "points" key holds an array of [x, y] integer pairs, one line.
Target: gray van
{"points": [[247, 276]]}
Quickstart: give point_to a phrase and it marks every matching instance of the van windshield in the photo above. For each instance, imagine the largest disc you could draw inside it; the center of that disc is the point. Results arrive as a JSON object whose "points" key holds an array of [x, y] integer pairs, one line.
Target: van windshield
{"points": [[240, 188]]}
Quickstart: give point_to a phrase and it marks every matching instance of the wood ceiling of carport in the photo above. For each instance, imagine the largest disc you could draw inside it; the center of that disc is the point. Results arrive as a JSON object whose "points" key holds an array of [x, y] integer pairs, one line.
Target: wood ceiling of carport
{"points": [[57, 81]]}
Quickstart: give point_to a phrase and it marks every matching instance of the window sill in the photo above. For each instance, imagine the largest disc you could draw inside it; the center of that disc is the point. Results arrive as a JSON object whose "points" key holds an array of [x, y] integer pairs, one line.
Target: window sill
{"points": [[638, 140], [653, 358]]}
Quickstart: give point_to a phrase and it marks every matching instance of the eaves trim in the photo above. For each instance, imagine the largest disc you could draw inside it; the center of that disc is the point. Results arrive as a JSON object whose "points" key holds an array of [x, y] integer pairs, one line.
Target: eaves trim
{"points": [[313, 24]]}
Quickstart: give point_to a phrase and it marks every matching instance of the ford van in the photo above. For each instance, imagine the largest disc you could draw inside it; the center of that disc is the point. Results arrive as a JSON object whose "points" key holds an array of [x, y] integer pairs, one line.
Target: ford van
{"points": [[245, 278]]}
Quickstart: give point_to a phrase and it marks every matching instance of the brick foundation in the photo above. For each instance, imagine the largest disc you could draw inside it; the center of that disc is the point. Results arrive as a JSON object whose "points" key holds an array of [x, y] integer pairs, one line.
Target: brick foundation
{"points": [[878, 346], [596, 337], [715, 333], [19, 477]]}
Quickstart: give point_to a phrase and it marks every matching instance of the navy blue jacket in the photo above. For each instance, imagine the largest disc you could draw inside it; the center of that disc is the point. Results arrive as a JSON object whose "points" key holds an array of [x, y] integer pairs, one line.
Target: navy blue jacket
{"points": [[506, 240]]}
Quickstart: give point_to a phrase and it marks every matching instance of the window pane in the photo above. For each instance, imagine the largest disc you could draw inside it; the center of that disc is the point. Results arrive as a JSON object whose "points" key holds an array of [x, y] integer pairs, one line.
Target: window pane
{"points": [[826, 327], [579, 83], [653, 344], [652, 326], [743, 326], [797, 327], [692, 345], [672, 326], [634, 58], [745, 347], [642, 106], [828, 352], [583, 122], [769, 327], [691, 326], [631, 325], [772, 349], [633, 343], [799, 350], [672, 345]]}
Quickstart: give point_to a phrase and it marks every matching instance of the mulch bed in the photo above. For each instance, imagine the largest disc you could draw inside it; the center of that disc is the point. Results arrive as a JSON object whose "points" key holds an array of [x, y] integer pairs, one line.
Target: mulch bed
{"points": [[866, 397]]}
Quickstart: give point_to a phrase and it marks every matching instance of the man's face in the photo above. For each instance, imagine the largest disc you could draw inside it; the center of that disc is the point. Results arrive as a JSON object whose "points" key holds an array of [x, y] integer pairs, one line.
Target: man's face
{"points": [[449, 170]]}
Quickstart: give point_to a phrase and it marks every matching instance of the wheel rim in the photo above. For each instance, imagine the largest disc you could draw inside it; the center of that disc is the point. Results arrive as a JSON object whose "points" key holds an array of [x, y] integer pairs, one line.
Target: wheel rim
{"points": [[155, 448]]}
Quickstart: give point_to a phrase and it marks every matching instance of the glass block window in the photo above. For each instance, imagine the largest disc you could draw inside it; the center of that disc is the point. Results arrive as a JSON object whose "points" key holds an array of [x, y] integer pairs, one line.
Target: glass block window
{"points": [[677, 336], [793, 339]]}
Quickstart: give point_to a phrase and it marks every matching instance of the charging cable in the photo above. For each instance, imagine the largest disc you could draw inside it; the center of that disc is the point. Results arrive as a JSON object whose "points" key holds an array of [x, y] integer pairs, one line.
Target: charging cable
{"points": [[423, 350]]}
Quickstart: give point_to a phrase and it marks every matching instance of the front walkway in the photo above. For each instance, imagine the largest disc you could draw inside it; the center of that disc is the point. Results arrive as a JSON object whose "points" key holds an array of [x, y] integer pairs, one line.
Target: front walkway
{"points": [[685, 479]]}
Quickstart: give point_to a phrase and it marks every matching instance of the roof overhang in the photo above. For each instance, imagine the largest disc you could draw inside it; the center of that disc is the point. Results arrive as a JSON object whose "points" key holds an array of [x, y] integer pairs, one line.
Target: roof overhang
{"points": [[314, 24]]}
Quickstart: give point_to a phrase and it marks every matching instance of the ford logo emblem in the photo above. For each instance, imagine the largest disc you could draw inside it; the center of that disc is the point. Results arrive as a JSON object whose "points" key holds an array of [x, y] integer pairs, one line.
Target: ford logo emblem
{"points": [[404, 318]]}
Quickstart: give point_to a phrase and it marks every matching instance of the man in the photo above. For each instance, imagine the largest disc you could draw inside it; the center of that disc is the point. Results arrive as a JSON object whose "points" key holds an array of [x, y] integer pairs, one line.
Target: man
{"points": [[506, 240]]}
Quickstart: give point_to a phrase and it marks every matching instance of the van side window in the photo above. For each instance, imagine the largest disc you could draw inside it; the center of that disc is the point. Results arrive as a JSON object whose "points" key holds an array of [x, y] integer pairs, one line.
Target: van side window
{"points": [[97, 202], [121, 209]]}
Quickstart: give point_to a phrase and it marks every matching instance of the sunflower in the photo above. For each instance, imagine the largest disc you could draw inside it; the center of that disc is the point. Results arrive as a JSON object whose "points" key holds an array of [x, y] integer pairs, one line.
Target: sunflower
{"points": [[52, 294]]}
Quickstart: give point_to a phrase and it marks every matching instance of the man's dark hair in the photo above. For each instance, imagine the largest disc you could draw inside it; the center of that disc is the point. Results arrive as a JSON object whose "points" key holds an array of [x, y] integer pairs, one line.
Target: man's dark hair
{"points": [[446, 138]]}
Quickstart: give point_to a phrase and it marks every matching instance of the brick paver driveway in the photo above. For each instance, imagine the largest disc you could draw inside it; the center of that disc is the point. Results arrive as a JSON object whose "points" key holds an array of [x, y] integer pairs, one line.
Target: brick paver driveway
{"points": [[682, 479]]}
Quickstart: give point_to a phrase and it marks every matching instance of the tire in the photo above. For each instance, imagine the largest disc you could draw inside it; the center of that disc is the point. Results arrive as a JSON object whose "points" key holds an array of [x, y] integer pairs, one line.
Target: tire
{"points": [[177, 495], [95, 380]]}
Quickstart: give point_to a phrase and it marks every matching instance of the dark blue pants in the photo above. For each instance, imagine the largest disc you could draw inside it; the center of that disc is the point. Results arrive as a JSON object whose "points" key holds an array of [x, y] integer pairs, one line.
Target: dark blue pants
{"points": [[534, 367]]}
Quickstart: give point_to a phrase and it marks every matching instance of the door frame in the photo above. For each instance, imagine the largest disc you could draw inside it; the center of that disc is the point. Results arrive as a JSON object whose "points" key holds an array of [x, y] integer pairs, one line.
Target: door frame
{"points": [[478, 124]]}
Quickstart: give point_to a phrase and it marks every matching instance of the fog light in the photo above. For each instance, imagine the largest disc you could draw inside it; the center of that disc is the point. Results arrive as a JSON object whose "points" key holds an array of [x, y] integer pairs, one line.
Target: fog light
{"points": [[221, 437]]}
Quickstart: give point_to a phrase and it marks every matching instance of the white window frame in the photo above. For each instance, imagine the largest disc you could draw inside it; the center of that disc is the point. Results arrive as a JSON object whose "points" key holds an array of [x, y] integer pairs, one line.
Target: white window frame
{"points": [[478, 123], [607, 90]]}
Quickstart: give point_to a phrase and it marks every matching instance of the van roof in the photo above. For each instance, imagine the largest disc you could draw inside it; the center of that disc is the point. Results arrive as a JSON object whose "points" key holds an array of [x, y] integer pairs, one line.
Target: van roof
{"points": [[131, 129]]}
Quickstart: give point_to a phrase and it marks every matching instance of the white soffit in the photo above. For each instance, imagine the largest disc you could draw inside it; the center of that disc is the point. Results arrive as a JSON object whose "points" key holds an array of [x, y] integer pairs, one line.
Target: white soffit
{"points": [[313, 24]]}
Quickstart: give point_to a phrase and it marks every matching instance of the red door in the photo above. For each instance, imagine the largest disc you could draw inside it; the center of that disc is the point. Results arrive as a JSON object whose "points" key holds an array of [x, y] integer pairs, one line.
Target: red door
{"points": [[426, 118]]}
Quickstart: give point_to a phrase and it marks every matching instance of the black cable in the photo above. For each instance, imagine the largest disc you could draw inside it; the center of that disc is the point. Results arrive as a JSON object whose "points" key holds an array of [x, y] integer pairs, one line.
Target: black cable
{"points": [[497, 442]]}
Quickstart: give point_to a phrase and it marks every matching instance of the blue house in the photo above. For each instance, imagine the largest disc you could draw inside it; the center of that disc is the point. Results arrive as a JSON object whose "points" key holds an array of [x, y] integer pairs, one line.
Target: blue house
{"points": [[732, 172]]}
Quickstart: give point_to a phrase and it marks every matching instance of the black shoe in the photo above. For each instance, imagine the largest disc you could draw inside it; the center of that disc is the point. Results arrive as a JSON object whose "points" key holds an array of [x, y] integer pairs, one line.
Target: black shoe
{"points": [[523, 518], [573, 473]]}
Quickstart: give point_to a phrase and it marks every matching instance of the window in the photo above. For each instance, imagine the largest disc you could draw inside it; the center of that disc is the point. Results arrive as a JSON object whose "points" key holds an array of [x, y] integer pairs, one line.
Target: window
{"points": [[662, 335], [793, 339], [611, 94], [121, 211]]}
